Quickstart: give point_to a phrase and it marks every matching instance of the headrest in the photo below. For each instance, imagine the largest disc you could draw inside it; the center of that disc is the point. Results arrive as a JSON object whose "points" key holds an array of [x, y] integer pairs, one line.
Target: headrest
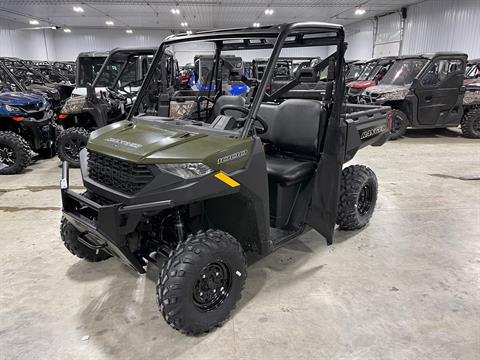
{"points": [[307, 75]]}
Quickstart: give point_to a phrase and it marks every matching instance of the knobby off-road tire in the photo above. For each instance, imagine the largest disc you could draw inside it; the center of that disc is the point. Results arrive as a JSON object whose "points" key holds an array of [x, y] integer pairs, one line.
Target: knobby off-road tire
{"points": [[69, 144], [201, 282], [69, 235], [15, 153], [470, 124], [399, 126], [358, 196]]}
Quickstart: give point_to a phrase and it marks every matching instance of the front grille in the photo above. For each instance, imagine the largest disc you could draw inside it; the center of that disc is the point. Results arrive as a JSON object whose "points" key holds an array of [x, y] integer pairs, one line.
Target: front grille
{"points": [[33, 107], [117, 174], [37, 115]]}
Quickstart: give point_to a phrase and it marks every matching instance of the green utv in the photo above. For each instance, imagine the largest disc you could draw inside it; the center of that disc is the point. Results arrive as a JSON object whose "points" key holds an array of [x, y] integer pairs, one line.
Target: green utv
{"points": [[254, 174]]}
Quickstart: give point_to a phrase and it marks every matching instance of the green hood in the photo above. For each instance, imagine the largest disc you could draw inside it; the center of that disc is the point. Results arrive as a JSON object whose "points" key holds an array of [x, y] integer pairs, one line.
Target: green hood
{"points": [[152, 144]]}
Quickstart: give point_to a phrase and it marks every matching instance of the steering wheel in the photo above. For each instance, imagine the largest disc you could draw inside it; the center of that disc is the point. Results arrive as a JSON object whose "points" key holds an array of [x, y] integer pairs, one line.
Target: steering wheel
{"points": [[244, 110]]}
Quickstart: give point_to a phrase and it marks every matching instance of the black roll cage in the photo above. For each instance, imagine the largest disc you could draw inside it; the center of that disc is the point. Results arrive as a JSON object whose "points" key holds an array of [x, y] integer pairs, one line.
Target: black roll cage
{"points": [[288, 35]]}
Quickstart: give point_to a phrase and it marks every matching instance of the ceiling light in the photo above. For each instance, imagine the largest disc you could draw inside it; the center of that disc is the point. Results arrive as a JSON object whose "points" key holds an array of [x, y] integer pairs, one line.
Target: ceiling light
{"points": [[33, 22], [67, 30], [184, 24], [256, 24], [109, 22], [175, 11], [189, 32], [268, 11], [359, 11], [78, 9], [129, 31]]}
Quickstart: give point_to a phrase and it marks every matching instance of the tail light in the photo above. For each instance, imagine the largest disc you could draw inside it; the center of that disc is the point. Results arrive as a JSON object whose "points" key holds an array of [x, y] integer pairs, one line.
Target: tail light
{"points": [[390, 120], [62, 116], [18, 118]]}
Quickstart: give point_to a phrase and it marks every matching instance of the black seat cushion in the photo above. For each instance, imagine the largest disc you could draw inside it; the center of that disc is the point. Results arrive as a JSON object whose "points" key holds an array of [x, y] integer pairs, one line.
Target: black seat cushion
{"points": [[288, 171]]}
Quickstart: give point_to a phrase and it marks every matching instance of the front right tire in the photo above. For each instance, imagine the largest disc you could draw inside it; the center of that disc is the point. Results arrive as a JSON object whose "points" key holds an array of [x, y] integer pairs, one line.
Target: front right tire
{"points": [[202, 281], [69, 235]]}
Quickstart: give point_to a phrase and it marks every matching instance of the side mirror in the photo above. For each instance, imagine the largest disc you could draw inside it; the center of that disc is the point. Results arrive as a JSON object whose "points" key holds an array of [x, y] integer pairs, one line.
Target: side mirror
{"points": [[415, 83]]}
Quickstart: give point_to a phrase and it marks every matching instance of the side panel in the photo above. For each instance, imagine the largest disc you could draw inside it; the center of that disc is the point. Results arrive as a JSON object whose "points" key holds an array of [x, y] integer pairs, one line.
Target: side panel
{"points": [[323, 209]]}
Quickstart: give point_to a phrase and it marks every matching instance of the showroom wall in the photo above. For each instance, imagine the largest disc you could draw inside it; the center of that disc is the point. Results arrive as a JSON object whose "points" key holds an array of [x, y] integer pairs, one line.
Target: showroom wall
{"points": [[433, 25], [430, 26]]}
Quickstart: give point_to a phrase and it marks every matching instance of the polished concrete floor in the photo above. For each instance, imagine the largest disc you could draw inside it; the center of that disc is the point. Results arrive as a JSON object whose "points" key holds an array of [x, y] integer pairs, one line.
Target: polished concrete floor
{"points": [[405, 287]]}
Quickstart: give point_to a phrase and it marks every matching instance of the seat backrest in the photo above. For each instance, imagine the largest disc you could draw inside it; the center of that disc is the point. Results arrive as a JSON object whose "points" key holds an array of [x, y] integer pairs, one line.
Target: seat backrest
{"points": [[229, 100], [295, 125]]}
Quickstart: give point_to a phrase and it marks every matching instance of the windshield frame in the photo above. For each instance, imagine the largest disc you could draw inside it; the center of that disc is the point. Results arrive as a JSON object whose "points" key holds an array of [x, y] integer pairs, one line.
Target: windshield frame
{"points": [[334, 36], [404, 60]]}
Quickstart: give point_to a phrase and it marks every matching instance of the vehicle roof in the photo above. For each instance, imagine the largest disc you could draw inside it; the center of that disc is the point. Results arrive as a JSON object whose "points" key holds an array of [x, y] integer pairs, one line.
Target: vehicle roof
{"points": [[93, 54], [268, 31], [474, 61], [433, 55]]}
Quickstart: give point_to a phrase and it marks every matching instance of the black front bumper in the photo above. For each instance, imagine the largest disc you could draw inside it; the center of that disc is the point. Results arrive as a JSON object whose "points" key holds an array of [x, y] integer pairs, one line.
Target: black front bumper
{"points": [[41, 131], [105, 225]]}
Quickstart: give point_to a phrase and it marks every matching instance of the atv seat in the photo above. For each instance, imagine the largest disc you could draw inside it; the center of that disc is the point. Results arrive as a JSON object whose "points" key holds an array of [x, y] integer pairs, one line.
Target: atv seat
{"points": [[223, 100], [294, 127]]}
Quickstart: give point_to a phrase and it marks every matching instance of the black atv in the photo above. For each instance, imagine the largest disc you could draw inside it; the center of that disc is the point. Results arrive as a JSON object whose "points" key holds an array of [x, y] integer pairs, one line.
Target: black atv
{"points": [[428, 91], [108, 100], [264, 171]]}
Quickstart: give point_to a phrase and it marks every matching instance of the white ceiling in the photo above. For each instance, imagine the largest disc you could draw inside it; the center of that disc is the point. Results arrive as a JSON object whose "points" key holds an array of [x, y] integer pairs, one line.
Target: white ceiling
{"points": [[199, 14]]}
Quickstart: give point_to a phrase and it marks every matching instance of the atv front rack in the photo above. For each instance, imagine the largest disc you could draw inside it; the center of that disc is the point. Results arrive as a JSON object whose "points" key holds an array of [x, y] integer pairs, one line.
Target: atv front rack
{"points": [[105, 226]]}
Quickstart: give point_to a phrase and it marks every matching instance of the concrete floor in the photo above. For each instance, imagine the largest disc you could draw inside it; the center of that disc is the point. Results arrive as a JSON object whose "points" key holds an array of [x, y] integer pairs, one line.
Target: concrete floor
{"points": [[405, 287]]}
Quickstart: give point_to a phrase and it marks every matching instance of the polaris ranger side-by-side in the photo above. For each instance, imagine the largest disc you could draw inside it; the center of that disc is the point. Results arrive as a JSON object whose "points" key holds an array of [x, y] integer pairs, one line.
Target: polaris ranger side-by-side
{"points": [[108, 99], [201, 194], [428, 91]]}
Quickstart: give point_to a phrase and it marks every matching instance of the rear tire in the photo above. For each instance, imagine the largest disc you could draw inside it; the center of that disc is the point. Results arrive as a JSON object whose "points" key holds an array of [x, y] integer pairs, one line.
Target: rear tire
{"points": [[69, 235], [399, 126], [202, 281], [470, 124], [358, 196], [69, 144], [15, 153]]}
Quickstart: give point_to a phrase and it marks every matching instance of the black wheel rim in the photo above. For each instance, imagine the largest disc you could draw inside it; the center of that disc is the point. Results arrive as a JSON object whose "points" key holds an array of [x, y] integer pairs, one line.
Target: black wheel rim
{"points": [[365, 199], [397, 125], [212, 287], [7, 156], [72, 148]]}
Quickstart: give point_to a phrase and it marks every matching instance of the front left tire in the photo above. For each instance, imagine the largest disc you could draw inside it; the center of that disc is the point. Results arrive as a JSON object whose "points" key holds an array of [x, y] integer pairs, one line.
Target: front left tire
{"points": [[15, 153], [470, 124], [202, 281]]}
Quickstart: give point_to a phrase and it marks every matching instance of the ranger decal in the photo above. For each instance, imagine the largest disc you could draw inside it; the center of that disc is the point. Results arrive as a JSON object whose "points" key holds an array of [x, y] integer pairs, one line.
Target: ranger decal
{"points": [[117, 142], [231, 157], [372, 132]]}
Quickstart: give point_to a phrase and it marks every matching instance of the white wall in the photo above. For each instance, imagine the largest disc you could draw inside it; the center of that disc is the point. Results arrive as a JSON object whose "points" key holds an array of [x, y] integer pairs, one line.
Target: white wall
{"points": [[433, 25], [68, 45], [359, 37], [26, 44], [443, 25]]}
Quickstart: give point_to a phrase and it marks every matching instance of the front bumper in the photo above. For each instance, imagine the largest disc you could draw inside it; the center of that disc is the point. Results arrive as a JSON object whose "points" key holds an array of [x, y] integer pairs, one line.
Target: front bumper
{"points": [[42, 130], [105, 225]]}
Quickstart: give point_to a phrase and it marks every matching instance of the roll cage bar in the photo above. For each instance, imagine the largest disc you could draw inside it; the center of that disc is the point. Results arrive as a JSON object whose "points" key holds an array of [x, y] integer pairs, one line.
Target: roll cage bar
{"points": [[288, 35]]}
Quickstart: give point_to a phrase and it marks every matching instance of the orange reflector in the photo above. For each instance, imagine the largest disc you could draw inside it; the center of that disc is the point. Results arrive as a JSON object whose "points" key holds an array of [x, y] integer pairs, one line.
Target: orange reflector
{"points": [[226, 179], [62, 116], [18, 118]]}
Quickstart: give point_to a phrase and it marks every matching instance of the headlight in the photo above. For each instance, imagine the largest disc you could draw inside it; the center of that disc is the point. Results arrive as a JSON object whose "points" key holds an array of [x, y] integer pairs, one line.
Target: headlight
{"points": [[186, 170], [12, 108]]}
